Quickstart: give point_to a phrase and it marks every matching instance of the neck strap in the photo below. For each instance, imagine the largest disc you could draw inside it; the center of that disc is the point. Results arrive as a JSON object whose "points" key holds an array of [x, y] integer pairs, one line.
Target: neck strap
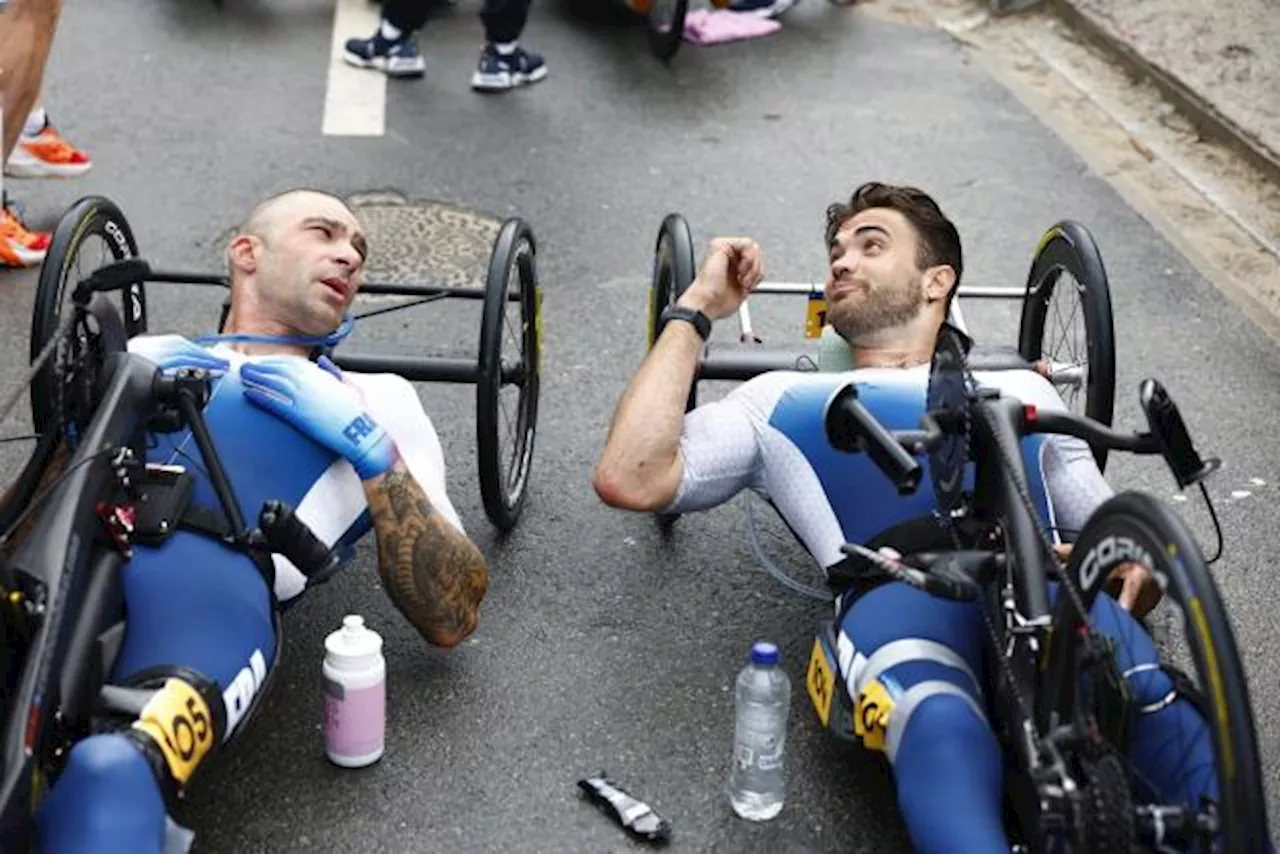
{"points": [[327, 341]]}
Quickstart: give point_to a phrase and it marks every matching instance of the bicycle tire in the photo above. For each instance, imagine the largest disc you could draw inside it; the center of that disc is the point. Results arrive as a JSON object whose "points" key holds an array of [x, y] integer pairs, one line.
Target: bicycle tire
{"points": [[1068, 246], [1156, 531], [503, 490], [674, 267], [91, 215], [665, 37]]}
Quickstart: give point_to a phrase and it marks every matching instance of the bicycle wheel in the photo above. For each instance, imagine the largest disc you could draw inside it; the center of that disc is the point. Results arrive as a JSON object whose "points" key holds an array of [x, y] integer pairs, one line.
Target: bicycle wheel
{"points": [[1090, 366], [504, 466], [673, 270], [71, 259], [1135, 527], [666, 27]]}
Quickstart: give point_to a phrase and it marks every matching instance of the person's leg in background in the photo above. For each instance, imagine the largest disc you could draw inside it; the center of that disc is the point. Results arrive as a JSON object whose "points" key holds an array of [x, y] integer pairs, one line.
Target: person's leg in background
{"points": [[393, 49], [504, 64], [26, 35]]}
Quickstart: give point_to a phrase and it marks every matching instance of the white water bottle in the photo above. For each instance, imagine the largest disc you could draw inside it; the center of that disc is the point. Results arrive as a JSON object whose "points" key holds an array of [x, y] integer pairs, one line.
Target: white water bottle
{"points": [[762, 700], [355, 695]]}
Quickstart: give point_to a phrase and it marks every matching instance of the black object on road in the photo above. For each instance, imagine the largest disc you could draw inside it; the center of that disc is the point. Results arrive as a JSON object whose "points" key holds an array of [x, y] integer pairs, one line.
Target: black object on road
{"points": [[635, 816]]}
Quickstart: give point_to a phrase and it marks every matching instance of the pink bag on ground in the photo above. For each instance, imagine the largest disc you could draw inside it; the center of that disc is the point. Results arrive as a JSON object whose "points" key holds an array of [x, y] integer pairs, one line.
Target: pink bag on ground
{"points": [[717, 26]]}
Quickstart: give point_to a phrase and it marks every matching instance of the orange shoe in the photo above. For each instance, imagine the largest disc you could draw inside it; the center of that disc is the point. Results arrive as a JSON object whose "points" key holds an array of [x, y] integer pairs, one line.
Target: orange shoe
{"points": [[46, 155], [20, 247]]}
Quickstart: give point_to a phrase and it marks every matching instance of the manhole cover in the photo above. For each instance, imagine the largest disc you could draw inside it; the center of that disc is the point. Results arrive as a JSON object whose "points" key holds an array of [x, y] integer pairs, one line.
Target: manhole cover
{"points": [[425, 242]]}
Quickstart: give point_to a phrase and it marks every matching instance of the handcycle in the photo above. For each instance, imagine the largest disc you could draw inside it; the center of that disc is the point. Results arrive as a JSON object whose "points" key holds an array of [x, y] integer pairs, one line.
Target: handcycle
{"points": [[87, 497], [1060, 707]]}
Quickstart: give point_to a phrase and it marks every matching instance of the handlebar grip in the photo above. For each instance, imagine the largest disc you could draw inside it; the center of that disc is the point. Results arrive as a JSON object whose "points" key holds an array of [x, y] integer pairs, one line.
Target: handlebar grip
{"points": [[287, 534], [850, 428]]}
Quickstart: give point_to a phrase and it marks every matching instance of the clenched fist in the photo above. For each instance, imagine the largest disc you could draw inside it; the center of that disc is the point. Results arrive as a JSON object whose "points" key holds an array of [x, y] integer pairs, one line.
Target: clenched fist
{"points": [[733, 268]]}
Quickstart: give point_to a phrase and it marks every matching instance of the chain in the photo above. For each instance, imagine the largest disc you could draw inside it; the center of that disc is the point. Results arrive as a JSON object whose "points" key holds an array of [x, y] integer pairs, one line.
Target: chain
{"points": [[992, 631], [1045, 541], [45, 353]]}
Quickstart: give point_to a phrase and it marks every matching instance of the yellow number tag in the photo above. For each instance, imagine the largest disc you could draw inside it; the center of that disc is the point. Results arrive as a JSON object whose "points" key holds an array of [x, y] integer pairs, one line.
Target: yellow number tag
{"points": [[178, 720], [817, 316], [871, 719], [821, 682]]}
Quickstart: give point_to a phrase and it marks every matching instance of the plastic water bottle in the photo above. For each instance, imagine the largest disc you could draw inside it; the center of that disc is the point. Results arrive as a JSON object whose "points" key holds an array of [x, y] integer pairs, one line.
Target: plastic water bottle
{"points": [[762, 701], [355, 695]]}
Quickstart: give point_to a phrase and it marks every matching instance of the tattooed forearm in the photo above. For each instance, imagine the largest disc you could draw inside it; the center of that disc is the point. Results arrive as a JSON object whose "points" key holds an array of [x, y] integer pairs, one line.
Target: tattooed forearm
{"points": [[434, 575]]}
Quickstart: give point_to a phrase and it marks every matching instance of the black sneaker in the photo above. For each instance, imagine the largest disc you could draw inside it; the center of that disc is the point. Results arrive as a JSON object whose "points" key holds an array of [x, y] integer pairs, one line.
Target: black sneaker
{"points": [[395, 58], [499, 72]]}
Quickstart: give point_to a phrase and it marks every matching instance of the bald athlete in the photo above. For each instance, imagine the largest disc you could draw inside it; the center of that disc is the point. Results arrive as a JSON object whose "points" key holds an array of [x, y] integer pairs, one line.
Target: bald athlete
{"points": [[349, 452]]}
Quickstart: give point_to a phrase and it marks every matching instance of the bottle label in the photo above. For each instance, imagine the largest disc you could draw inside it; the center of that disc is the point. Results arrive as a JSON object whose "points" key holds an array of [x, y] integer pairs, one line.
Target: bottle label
{"points": [[354, 719], [760, 740]]}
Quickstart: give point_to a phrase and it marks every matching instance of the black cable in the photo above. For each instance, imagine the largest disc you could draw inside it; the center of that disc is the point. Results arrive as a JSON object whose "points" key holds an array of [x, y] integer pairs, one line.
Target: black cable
{"points": [[389, 309], [1216, 526], [35, 502]]}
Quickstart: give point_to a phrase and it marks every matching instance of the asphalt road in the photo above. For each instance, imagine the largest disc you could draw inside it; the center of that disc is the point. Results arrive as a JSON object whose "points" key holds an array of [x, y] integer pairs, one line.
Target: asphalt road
{"points": [[604, 645]]}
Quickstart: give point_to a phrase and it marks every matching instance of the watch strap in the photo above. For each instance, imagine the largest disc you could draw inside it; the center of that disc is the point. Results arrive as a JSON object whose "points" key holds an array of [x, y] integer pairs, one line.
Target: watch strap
{"points": [[679, 312]]}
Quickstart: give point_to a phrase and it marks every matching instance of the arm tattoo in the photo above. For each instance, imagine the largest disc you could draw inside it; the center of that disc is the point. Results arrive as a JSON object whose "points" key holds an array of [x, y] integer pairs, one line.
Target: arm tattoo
{"points": [[434, 575]]}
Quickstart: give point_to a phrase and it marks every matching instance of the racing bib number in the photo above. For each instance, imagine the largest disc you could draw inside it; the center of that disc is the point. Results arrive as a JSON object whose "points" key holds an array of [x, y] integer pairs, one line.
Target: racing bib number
{"points": [[871, 718], [816, 318], [821, 682], [178, 720]]}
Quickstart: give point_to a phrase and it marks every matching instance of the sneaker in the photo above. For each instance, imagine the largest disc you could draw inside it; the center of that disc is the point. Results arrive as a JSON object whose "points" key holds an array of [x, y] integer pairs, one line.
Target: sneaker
{"points": [[763, 8], [18, 246], [498, 72], [394, 58], [46, 155]]}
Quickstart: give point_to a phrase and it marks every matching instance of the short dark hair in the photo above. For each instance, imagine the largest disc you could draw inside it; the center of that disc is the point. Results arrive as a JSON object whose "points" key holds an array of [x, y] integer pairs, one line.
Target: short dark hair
{"points": [[939, 242]]}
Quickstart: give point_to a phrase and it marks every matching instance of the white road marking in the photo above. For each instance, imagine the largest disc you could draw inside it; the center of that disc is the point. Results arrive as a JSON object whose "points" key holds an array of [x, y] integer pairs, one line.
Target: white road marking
{"points": [[355, 98]]}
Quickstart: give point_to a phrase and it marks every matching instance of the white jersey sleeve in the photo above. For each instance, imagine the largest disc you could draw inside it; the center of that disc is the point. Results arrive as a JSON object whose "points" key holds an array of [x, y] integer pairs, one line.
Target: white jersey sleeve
{"points": [[1072, 478], [723, 444], [1074, 481]]}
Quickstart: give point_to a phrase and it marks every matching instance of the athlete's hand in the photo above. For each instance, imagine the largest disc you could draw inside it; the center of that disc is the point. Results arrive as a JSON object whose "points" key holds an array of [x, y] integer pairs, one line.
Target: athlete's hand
{"points": [[316, 402], [173, 352], [1129, 583], [1136, 589], [733, 268]]}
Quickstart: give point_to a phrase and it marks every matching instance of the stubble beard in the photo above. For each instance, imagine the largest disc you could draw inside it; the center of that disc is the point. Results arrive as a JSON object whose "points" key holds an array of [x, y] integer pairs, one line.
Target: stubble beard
{"points": [[878, 311]]}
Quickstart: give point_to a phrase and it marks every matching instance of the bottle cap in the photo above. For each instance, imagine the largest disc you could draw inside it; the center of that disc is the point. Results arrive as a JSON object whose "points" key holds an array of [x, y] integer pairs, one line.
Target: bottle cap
{"points": [[353, 640], [764, 653]]}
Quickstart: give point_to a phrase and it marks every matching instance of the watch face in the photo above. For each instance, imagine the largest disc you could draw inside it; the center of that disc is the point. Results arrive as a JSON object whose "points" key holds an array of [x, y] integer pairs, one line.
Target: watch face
{"points": [[948, 402]]}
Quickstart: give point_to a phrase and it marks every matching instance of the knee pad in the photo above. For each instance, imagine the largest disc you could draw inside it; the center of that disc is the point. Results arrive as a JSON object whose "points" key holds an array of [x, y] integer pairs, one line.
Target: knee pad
{"points": [[107, 799]]}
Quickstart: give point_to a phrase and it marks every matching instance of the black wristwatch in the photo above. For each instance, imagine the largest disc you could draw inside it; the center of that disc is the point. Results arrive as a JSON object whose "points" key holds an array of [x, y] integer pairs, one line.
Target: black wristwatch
{"points": [[679, 312]]}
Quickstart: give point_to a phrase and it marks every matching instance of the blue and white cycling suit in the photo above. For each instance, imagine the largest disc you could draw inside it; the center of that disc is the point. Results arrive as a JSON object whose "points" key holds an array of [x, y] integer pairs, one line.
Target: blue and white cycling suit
{"points": [[922, 657], [199, 608]]}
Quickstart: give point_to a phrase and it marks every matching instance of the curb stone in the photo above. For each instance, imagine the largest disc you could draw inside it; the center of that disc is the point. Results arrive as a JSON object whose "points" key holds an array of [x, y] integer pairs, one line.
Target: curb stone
{"points": [[1206, 118]]}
